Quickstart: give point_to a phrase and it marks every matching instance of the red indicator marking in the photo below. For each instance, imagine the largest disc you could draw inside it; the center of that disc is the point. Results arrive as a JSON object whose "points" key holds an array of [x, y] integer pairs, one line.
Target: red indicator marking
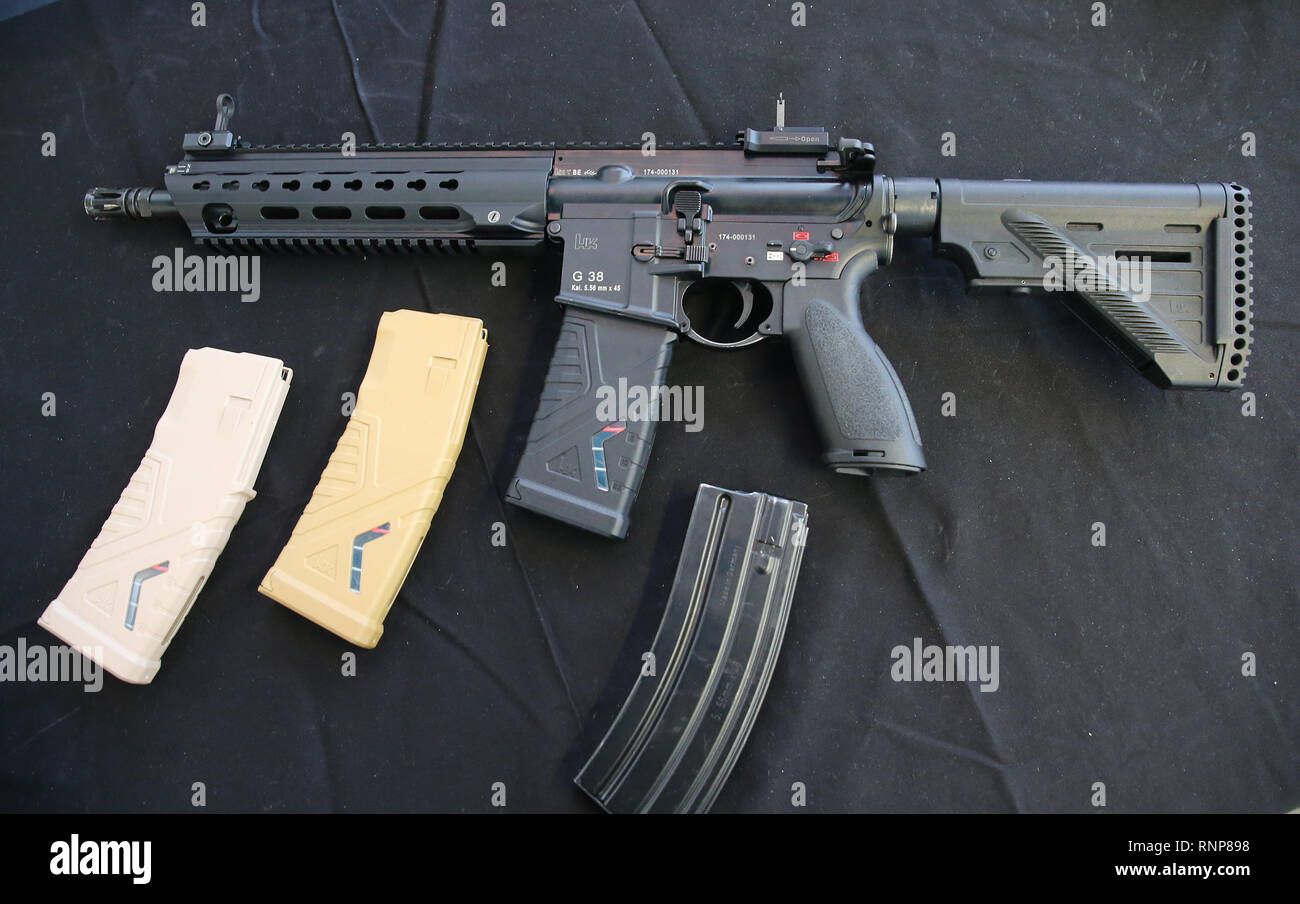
{"points": [[832, 257], [801, 237]]}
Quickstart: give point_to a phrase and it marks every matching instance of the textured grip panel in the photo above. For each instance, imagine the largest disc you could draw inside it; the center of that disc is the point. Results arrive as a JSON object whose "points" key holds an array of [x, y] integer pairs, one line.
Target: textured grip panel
{"points": [[860, 392], [862, 413], [585, 459]]}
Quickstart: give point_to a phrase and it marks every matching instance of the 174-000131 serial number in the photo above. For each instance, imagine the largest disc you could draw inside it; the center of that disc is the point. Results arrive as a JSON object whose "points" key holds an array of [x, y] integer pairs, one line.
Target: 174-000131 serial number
{"points": [[1165, 847]]}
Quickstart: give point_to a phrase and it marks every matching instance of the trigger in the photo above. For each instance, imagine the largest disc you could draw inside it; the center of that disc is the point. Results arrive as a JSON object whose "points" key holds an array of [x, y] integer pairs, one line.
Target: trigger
{"points": [[747, 302]]}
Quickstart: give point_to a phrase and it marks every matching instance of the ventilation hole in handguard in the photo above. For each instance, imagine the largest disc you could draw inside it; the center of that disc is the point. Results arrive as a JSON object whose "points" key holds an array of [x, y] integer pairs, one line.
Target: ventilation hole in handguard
{"points": [[439, 213]]}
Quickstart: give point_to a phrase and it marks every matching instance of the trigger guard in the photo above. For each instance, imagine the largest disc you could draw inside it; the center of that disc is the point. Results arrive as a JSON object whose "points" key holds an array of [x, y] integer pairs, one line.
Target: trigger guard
{"points": [[690, 333]]}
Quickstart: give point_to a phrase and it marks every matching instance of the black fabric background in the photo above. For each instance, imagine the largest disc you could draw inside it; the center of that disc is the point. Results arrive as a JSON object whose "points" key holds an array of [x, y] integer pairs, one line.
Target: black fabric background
{"points": [[1120, 665]]}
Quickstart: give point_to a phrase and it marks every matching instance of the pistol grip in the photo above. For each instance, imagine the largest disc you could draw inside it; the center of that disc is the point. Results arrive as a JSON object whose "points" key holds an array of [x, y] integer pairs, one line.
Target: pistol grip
{"points": [[584, 459], [862, 413]]}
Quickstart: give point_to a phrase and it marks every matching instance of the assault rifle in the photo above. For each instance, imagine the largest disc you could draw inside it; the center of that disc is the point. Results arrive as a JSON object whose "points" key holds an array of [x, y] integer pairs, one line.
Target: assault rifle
{"points": [[772, 234]]}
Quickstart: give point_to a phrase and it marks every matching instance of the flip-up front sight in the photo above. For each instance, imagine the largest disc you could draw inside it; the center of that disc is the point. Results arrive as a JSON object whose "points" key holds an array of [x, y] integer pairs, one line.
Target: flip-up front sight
{"points": [[220, 138]]}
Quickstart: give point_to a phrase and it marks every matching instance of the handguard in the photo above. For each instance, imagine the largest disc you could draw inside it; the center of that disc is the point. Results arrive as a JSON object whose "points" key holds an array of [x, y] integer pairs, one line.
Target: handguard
{"points": [[355, 542], [142, 574], [679, 733]]}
